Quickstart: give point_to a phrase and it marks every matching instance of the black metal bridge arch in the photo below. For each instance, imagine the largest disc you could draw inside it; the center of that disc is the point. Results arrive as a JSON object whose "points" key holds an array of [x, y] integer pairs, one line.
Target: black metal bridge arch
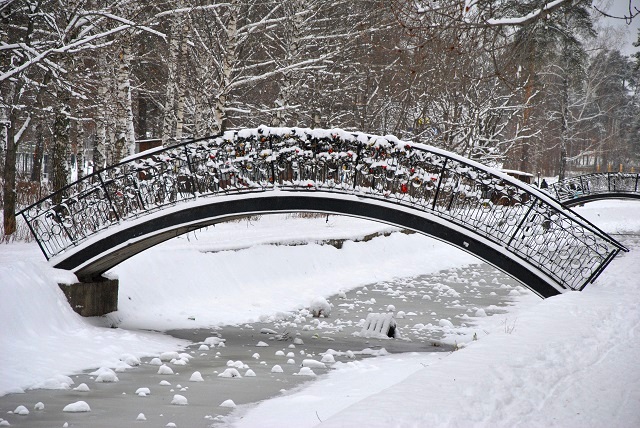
{"points": [[108, 216], [593, 187]]}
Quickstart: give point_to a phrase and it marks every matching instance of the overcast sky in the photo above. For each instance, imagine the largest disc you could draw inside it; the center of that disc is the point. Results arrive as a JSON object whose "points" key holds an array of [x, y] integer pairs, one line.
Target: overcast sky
{"points": [[621, 8]]}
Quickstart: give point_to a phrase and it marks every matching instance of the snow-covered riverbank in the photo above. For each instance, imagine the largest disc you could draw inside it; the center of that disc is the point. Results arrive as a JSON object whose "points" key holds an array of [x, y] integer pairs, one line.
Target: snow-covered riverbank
{"points": [[565, 361]]}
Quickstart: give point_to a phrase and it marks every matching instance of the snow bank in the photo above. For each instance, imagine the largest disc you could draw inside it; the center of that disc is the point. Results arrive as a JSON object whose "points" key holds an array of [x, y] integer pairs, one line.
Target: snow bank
{"points": [[43, 338], [241, 286], [567, 361]]}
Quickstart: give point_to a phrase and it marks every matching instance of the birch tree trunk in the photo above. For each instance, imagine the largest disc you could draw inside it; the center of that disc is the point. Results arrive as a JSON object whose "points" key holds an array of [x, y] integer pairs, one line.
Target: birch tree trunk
{"points": [[100, 143], [228, 63], [126, 139], [564, 127], [38, 154], [286, 96], [172, 72], [182, 79], [60, 148]]}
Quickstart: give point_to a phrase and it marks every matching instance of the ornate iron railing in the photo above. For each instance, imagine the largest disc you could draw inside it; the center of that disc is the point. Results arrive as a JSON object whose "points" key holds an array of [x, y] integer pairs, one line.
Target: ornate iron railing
{"points": [[577, 190], [522, 220]]}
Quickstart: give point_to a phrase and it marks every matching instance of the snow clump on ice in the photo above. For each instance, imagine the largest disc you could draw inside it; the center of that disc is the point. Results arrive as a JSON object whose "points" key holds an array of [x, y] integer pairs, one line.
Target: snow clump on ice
{"points": [[155, 362], [196, 377], [179, 400], [215, 341], [143, 392], [328, 358], [250, 373], [39, 406], [57, 382], [82, 388], [237, 364], [305, 371], [445, 323], [141, 417], [313, 364], [276, 369], [105, 374], [77, 407], [262, 344], [319, 307], [228, 403], [230, 372], [21, 410], [165, 370], [131, 360], [168, 356]]}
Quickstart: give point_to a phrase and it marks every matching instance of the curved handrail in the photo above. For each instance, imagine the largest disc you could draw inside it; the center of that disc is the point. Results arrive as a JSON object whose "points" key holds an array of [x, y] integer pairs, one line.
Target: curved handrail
{"points": [[524, 221], [601, 185]]}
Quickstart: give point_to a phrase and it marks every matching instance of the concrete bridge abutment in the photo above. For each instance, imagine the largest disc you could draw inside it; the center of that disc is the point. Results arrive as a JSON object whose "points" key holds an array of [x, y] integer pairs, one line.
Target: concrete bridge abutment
{"points": [[94, 297]]}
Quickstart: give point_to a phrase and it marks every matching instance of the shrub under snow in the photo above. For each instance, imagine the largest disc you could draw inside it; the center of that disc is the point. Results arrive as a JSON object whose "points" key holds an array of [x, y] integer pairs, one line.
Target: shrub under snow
{"points": [[320, 307]]}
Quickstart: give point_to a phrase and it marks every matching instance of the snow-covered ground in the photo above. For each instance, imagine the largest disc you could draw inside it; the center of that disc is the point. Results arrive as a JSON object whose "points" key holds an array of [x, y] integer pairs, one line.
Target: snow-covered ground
{"points": [[565, 361]]}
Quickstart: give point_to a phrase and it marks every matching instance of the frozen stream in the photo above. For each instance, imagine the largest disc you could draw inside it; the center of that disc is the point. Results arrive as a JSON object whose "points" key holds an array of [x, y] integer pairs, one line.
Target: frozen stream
{"points": [[427, 308]]}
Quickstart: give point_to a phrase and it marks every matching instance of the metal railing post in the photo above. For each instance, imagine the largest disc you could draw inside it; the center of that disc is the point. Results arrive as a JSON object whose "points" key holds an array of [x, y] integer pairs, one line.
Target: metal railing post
{"points": [[106, 194], [355, 165], [272, 163], [191, 174], [33, 232], [435, 197], [515, 232]]}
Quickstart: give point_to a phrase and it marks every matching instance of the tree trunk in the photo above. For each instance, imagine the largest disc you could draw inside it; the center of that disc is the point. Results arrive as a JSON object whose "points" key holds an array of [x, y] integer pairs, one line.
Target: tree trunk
{"points": [[168, 121], [38, 154], [9, 176], [80, 149], [126, 143], [60, 151], [8, 122], [564, 128], [100, 144], [228, 64], [181, 82], [142, 117]]}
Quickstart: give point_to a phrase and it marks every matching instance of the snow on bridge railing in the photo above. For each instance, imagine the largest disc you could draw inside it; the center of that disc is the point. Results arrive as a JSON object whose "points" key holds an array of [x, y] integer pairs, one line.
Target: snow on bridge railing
{"points": [[519, 218], [589, 186]]}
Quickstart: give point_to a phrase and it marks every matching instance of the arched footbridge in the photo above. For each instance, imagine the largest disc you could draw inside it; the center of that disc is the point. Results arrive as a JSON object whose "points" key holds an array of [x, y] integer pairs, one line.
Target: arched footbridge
{"points": [[108, 216], [593, 187]]}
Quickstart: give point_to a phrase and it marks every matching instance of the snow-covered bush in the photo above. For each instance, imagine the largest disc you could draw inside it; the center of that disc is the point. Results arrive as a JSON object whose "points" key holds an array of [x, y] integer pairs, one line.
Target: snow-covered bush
{"points": [[319, 307]]}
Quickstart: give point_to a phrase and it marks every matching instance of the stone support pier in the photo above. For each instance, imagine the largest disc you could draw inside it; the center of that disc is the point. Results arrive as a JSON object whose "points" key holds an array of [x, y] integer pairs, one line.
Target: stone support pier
{"points": [[94, 298]]}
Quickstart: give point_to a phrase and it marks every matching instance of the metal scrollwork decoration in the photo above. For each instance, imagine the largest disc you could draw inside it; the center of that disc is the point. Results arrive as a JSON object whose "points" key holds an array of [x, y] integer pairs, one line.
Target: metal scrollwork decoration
{"points": [[584, 188], [514, 216]]}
